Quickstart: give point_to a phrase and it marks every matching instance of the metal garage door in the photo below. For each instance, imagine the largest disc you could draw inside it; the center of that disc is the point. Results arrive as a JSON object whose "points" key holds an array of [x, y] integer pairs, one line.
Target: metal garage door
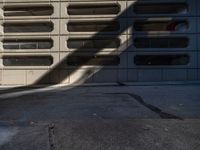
{"points": [[64, 42]]}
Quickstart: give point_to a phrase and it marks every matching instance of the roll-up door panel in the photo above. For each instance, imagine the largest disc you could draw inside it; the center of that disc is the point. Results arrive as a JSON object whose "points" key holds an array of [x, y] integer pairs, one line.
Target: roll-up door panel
{"points": [[65, 42]]}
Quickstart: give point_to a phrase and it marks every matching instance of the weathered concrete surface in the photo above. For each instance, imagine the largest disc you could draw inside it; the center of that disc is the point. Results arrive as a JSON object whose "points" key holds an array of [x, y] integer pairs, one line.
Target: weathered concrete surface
{"points": [[23, 137], [111, 102], [128, 135], [78, 103], [101, 134], [102, 118]]}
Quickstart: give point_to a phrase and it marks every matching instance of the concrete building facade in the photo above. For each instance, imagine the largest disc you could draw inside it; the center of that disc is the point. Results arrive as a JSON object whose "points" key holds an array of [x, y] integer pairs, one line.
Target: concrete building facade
{"points": [[68, 41]]}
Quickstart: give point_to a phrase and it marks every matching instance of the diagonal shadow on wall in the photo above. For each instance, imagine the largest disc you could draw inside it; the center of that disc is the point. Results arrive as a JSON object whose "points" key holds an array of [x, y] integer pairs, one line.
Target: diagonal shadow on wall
{"points": [[74, 54], [90, 71]]}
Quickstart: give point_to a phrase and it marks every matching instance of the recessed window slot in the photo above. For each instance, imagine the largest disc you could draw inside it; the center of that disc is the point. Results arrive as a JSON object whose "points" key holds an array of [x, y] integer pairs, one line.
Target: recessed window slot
{"points": [[172, 25], [15, 11], [93, 9], [27, 44], [28, 27], [161, 8], [161, 60], [93, 26], [160, 42], [97, 60], [27, 60], [84, 43]]}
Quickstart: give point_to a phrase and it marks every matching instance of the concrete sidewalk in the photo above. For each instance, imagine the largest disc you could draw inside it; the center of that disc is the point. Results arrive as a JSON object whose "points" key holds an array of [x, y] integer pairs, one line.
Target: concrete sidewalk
{"points": [[95, 134], [105, 117]]}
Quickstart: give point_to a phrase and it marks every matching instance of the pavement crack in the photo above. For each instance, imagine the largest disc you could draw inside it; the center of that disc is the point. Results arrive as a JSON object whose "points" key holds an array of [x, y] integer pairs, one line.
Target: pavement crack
{"points": [[51, 136], [151, 107]]}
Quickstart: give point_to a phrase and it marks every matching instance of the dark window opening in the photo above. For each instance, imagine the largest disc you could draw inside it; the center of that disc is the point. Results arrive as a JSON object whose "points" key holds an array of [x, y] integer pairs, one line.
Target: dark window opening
{"points": [[159, 42], [94, 43], [12, 11], [161, 8], [93, 9], [161, 60], [27, 44], [28, 27], [161, 25], [98, 60], [27, 60], [93, 26]]}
